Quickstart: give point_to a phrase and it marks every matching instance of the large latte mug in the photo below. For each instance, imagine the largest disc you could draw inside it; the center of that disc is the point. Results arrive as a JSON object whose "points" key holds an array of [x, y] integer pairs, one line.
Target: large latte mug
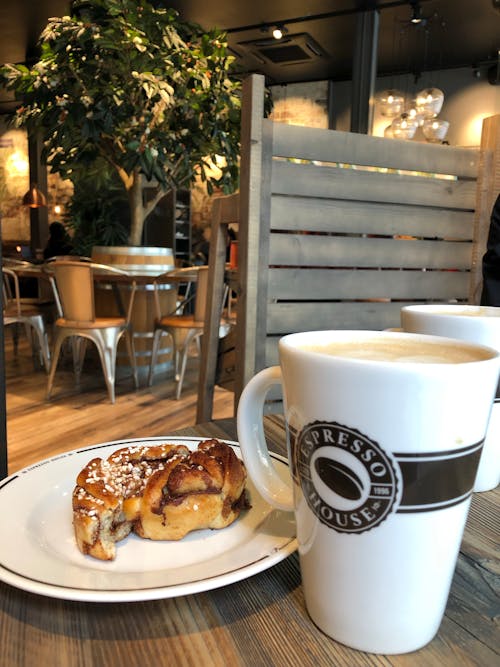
{"points": [[476, 324], [384, 435]]}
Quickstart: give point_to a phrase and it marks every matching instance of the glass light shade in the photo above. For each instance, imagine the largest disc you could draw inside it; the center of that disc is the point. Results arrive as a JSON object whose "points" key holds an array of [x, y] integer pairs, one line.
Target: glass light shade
{"points": [[435, 129], [429, 102], [391, 103], [404, 127], [416, 115]]}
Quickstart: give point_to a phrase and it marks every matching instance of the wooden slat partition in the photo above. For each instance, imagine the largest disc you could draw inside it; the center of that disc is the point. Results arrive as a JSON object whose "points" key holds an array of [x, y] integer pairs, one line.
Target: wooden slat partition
{"points": [[309, 143], [340, 230]]}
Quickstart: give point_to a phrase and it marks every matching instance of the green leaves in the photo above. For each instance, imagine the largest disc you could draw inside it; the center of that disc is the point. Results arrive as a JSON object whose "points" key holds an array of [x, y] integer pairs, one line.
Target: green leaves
{"points": [[135, 85]]}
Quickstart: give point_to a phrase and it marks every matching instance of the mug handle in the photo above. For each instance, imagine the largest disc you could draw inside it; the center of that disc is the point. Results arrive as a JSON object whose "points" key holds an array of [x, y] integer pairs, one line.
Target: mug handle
{"points": [[253, 442]]}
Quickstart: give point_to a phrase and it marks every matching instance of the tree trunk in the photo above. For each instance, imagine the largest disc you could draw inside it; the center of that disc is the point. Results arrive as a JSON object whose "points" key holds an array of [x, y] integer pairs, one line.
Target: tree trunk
{"points": [[137, 211]]}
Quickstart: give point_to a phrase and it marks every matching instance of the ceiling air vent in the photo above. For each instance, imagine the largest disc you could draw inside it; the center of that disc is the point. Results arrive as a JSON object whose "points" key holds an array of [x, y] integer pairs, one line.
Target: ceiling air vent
{"points": [[290, 50]]}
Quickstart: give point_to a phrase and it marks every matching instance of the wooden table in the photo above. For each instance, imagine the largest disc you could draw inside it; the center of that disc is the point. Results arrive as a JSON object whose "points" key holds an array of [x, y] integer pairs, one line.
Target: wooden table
{"points": [[260, 621]]}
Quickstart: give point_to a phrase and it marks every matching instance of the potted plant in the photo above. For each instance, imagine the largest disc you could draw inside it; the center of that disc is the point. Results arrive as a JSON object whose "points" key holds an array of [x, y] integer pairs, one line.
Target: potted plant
{"points": [[132, 85]]}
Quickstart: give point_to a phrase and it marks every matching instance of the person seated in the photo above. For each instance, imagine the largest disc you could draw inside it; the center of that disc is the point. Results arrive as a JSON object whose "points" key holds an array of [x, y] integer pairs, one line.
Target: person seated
{"points": [[59, 242], [490, 295], [201, 246]]}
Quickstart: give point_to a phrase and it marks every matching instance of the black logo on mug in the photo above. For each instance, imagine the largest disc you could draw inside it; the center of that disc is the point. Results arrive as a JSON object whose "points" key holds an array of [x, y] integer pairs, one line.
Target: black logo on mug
{"points": [[349, 482]]}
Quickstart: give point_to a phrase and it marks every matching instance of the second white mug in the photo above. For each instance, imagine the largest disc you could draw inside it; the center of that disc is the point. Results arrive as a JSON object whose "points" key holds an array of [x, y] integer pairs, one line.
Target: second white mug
{"points": [[475, 324]]}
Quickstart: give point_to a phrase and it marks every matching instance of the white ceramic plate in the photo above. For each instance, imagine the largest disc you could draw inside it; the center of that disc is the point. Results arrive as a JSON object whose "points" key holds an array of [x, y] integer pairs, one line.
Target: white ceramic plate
{"points": [[38, 552]]}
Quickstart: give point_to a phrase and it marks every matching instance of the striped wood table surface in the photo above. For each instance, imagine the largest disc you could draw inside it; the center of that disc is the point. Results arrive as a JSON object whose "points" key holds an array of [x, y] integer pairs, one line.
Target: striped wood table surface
{"points": [[261, 620]]}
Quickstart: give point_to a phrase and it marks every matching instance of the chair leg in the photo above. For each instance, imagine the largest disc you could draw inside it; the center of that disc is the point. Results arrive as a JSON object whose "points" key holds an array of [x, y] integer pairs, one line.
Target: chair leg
{"points": [[129, 340], [38, 327], [179, 339], [183, 352], [28, 330], [15, 337], [154, 355], [106, 341], [59, 339], [78, 349]]}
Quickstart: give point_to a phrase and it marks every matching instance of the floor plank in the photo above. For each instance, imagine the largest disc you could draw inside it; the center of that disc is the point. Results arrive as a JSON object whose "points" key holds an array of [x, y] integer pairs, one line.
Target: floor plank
{"points": [[81, 416]]}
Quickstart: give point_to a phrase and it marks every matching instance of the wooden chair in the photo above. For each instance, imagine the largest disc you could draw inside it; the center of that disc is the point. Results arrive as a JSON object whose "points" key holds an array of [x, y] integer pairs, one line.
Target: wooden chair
{"points": [[73, 286], [184, 328], [340, 230]]}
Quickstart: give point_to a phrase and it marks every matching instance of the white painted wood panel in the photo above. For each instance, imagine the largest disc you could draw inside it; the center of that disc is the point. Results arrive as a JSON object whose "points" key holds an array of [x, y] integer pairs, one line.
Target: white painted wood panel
{"points": [[334, 182], [333, 146], [310, 250], [324, 215], [286, 318], [340, 284]]}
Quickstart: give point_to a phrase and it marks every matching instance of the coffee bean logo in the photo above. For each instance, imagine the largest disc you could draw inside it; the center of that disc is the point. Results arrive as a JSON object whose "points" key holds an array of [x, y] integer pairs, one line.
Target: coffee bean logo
{"points": [[339, 478], [347, 479]]}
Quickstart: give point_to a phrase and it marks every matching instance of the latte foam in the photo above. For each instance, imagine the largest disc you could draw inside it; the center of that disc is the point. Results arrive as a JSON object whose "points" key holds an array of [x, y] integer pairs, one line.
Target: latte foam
{"points": [[400, 351]]}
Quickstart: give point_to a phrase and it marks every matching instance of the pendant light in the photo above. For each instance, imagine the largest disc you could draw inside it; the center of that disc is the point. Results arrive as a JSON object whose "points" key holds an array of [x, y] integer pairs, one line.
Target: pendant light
{"points": [[416, 115], [435, 130], [429, 102], [34, 198], [391, 103], [404, 127]]}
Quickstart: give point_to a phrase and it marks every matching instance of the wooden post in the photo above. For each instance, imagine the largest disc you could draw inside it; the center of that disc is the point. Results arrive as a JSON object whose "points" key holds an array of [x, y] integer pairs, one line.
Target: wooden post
{"points": [[364, 71], [39, 217], [252, 219], [3, 405]]}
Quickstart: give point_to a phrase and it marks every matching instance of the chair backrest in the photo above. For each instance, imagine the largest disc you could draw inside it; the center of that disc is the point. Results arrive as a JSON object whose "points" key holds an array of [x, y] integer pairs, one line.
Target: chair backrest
{"points": [[73, 286], [74, 290], [194, 280], [10, 290], [340, 230], [16, 263], [69, 258]]}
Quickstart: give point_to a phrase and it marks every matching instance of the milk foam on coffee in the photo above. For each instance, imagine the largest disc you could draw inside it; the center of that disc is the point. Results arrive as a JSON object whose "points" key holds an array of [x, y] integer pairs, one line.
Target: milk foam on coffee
{"points": [[472, 311], [400, 351]]}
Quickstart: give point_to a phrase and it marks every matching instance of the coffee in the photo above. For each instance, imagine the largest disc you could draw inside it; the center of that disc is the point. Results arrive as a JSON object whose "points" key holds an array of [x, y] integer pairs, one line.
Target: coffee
{"points": [[465, 311], [400, 351]]}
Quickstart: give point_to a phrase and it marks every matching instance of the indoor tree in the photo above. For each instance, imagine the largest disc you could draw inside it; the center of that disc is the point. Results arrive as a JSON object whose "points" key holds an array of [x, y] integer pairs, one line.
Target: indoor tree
{"points": [[134, 85]]}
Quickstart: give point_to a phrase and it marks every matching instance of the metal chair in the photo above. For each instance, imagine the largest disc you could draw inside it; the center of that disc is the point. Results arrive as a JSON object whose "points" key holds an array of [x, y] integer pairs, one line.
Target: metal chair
{"points": [[184, 328], [73, 286], [16, 312]]}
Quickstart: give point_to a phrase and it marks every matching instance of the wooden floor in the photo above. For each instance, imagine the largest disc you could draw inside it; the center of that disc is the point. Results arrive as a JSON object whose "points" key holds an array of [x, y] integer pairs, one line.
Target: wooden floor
{"points": [[79, 416]]}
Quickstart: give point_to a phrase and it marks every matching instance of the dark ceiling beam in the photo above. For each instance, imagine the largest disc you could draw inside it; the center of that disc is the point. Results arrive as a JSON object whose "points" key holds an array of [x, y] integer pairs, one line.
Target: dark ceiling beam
{"points": [[39, 217], [359, 9], [364, 71]]}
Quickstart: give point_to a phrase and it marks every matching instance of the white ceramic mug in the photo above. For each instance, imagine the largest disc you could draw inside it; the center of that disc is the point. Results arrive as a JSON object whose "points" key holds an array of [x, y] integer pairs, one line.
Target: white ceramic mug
{"points": [[383, 449], [476, 324]]}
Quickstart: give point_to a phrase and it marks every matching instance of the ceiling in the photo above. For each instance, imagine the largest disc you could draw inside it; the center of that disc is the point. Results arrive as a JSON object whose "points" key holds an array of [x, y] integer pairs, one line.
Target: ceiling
{"points": [[321, 34]]}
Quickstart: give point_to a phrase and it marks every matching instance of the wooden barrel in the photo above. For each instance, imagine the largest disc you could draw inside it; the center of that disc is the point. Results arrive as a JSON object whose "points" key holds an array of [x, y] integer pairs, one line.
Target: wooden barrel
{"points": [[140, 261]]}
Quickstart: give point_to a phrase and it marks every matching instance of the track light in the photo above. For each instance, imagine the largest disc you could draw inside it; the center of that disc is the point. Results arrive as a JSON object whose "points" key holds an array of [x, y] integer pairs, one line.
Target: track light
{"points": [[279, 31], [416, 14]]}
